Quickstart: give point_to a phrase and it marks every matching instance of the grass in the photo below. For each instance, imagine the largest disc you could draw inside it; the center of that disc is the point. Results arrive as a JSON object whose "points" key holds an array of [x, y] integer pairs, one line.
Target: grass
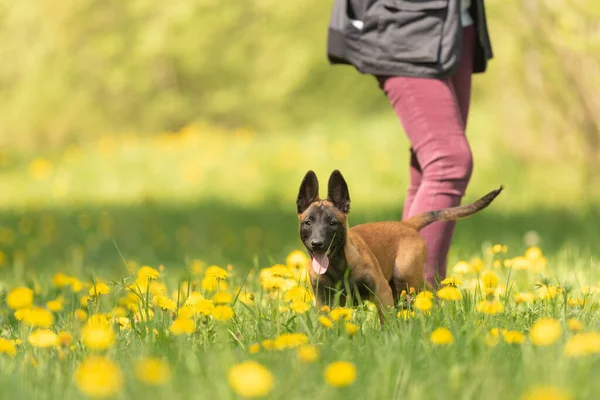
{"points": [[100, 210]]}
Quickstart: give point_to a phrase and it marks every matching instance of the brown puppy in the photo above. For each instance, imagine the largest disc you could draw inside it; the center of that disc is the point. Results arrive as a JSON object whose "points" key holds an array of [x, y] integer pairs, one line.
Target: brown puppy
{"points": [[374, 261]]}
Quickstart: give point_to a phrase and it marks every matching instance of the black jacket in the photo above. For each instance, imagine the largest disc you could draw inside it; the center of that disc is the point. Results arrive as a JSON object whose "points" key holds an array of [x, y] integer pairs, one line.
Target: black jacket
{"points": [[404, 37]]}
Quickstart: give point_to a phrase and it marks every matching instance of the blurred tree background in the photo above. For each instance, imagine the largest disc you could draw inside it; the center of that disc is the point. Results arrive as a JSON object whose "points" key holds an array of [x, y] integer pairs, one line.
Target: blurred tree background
{"points": [[137, 101], [76, 68]]}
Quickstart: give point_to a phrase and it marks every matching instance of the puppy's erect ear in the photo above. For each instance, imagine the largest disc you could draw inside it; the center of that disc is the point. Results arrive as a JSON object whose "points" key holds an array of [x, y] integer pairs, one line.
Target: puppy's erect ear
{"points": [[309, 192], [337, 192]]}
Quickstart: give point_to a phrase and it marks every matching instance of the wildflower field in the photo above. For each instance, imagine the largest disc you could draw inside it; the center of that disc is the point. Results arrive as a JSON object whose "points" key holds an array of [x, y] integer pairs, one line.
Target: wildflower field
{"points": [[169, 267]]}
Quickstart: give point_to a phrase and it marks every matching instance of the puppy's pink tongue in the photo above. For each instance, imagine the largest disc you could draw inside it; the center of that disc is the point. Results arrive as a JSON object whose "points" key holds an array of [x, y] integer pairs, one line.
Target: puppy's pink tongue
{"points": [[320, 262]]}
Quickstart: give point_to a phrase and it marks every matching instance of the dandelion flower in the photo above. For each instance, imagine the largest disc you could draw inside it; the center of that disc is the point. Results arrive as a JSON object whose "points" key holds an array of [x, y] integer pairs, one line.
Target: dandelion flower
{"points": [[325, 309], [222, 298], [182, 326], [80, 315], [489, 279], [545, 331], [449, 293], [340, 374], [55, 305], [351, 328], [20, 297], [98, 336], [574, 325], [250, 379], [297, 294], [524, 297], [215, 272], [339, 313], [451, 281], [423, 304], [583, 344], [222, 313], [289, 340], [406, 314], [297, 259], [43, 338], [513, 337], [441, 336], [461, 267], [307, 353], [254, 348], [38, 317], [546, 393], [146, 274], [8, 347], [247, 298], [98, 377], [204, 307], [165, 303], [99, 288], [490, 307], [152, 371], [326, 322], [299, 307]]}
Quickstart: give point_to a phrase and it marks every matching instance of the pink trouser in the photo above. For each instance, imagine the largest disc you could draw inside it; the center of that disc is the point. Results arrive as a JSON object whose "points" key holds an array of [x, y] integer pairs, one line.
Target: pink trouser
{"points": [[434, 114]]}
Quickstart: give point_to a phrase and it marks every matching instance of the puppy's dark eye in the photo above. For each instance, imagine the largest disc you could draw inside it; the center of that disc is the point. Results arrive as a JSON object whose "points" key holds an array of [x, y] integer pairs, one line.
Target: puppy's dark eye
{"points": [[333, 222], [307, 222]]}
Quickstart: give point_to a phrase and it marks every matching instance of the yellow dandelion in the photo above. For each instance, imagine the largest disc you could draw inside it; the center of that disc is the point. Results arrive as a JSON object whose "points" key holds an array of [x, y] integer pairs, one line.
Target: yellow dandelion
{"points": [[492, 338], [99, 288], [326, 322], [289, 340], [124, 322], [339, 313], [268, 344], [574, 325], [490, 307], [80, 315], [351, 329], [215, 272], [97, 336], [497, 248], [55, 305], [152, 371], [64, 338], [297, 294], [299, 307], [38, 317], [489, 279], [450, 281], [524, 297], [8, 347], [340, 374], [545, 331], [546, 393], [546, 292], [461, 267], [222, 313], [182, 326], [441, 336], [98, 377], [43, 338], [513, 337], [247, 298], [297, 259], [84, 301], [583, 344], [250, 379], [325, 309], [165, 303], [449, 293], [211, 284], [254, 348], [61, 280], [20, 297], [203, 306], [146, 274], [423, 304], [222, 298], [307, 353], [406, 314]]}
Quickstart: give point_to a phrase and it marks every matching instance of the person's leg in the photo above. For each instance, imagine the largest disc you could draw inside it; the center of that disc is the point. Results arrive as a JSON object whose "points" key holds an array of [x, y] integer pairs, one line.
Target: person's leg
{"points": [[441, 167]]}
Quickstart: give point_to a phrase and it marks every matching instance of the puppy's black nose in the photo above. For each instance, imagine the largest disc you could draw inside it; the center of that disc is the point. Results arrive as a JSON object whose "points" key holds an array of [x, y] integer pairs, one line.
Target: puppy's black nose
{"points": [[316, 244]]}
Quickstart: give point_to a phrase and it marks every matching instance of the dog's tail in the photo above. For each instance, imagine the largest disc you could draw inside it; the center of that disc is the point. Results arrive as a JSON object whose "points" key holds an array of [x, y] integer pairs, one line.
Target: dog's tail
{"points": [[447, 214]]}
